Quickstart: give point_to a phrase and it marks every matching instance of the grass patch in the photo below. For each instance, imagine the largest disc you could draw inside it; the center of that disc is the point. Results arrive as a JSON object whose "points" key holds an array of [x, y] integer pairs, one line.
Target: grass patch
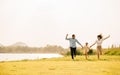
{"points": [[107, 65]]}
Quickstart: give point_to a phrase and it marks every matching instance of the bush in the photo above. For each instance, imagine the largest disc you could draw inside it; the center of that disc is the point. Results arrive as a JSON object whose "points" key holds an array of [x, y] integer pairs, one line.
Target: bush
{"points": [[112, 52], [81, 52], [78, 52], [90, 52]]}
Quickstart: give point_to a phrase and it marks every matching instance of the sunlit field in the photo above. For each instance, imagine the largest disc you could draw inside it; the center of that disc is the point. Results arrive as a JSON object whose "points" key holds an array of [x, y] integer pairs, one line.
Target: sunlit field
{"points": [[107, 65]]}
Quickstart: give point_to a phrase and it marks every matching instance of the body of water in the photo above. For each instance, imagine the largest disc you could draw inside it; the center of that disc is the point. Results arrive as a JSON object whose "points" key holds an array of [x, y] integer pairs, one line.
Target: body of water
{"points": [[21, 56]]}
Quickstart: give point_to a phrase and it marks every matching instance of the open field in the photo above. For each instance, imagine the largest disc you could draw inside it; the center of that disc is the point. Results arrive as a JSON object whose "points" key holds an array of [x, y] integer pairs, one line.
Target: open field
{"points": [[107, 65]]}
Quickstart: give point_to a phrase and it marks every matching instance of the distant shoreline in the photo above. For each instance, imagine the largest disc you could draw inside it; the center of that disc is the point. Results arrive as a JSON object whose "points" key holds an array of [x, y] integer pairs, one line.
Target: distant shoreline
{"points": [[26, 56]]}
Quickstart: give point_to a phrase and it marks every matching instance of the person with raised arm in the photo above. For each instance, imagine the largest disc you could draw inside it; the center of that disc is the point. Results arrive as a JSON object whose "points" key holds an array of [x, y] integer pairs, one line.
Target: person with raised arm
{"points": [[99, 42], [73, 42]]}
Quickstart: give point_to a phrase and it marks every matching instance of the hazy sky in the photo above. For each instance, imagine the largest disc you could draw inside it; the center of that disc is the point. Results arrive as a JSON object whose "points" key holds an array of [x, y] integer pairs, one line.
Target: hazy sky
{"points": [[42, 22]]}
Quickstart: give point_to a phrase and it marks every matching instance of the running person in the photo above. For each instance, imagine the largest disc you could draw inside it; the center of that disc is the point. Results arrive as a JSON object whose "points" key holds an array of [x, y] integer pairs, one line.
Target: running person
{"points": [[86, 50], [99, 42], [73, 41]]}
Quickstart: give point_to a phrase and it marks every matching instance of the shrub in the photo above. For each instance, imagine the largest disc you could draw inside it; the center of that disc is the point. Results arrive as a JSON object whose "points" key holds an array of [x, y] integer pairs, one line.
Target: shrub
{"points": [[78, 52], [112, 51], [90, 52]]}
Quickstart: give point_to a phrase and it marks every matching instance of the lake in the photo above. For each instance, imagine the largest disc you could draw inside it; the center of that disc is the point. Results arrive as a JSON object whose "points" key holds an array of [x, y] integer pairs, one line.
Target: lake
{"points": [[25, 56]]}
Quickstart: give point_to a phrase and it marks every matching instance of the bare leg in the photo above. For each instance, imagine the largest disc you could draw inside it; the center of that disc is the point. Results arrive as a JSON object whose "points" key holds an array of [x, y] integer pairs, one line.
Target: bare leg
{"points": [[86, 55], [100, 51], [98, 55]]}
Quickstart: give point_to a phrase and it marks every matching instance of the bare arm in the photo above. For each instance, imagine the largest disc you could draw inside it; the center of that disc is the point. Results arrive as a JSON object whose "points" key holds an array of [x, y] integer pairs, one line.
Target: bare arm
{"points": [[106, 37], [93, 44]]}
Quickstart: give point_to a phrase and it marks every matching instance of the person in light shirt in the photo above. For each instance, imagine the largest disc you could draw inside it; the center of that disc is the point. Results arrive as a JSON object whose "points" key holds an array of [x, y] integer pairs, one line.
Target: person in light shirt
{"points": [[99, 42], [73, 42]]}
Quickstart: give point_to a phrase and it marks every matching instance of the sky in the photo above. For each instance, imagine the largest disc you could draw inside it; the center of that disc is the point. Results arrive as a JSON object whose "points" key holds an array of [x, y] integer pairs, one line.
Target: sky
{"points": [[41, 22]]}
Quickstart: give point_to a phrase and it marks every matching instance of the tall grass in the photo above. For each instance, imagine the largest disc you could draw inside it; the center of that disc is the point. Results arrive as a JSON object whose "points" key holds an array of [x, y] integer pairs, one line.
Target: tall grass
{"points": [[112, 51]]}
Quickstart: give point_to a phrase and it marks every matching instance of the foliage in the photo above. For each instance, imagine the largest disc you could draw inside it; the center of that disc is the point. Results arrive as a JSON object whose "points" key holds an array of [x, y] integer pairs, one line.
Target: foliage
{"points": [[81, 52], [91, 52], [26, 49], [112, 51], [78, 52]]}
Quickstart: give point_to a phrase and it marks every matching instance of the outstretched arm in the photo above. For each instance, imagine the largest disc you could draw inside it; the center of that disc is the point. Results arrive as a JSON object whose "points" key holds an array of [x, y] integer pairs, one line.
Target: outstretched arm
{"points": [[93, 44], [106, 37], [79, 43]]}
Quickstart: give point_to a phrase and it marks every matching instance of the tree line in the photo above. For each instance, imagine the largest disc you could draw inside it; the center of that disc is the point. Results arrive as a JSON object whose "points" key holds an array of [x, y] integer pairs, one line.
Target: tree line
{"points": [[26, 49]]}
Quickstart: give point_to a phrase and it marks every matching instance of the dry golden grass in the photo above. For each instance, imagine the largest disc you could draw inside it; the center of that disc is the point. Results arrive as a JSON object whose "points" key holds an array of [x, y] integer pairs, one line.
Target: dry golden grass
{"points": [[108, 65]]}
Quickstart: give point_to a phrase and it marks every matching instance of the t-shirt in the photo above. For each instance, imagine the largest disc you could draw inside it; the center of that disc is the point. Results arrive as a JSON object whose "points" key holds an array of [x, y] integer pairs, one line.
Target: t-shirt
{"points": [[73, 42], [99, 42]]}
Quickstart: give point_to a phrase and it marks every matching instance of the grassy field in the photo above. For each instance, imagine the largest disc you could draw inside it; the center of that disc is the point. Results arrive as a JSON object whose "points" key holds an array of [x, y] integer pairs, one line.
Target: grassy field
{"points": [[107, 65]]}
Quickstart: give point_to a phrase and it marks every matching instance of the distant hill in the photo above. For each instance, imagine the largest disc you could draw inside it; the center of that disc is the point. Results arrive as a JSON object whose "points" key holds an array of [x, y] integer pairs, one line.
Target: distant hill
{"points": [[21, 44]]}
